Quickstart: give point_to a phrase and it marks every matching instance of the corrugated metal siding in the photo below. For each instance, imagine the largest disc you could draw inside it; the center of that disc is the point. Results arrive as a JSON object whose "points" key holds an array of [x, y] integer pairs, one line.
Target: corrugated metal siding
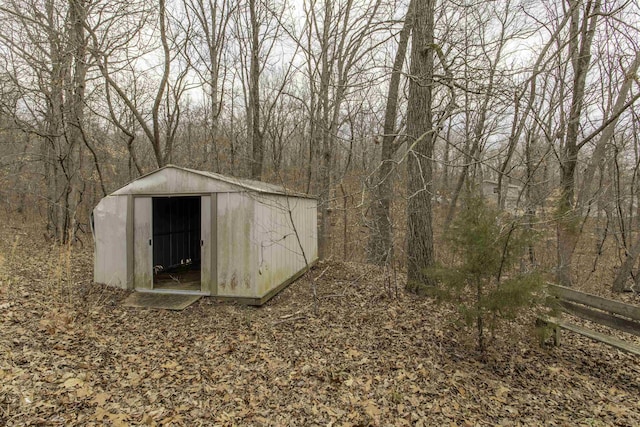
{"points": [[310, 224], [206, 274], [280, 254], [236, 251], [110, 250], [142, 250]]}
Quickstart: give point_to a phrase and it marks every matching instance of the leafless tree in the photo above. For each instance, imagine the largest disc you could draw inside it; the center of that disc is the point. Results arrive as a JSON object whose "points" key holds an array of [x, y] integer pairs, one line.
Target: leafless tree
{"points": [[210, 21], [47, 44], [420, 250], [381, 234], [336, 38], [160, 120]]}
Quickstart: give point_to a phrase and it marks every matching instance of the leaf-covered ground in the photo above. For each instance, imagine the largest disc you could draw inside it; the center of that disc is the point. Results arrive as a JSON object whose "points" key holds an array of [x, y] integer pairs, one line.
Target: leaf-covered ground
{"points": [[70, 354]]}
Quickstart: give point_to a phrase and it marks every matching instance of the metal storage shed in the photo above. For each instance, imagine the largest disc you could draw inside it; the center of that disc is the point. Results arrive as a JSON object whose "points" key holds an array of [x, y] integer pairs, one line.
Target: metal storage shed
{"points": [[178, 230]]}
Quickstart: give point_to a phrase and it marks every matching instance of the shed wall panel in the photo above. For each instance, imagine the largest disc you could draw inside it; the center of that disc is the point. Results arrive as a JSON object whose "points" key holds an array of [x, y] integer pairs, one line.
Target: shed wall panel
{"points": [[236, 250], [206, 247], [285, 230], [110, 250], [142, 250]]}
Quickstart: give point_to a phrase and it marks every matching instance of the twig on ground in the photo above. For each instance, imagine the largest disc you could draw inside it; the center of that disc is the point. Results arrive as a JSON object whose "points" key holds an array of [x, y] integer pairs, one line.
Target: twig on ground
{"points": [[287, 316]]}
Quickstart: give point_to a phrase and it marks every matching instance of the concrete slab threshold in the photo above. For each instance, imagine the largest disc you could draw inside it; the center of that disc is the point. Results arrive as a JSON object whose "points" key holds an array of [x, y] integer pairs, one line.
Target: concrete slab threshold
{"points": [[160, 300]]}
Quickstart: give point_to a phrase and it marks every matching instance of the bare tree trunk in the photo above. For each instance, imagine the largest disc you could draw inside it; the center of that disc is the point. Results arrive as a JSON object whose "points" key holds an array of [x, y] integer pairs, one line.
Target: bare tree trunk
{"points": [[75, 111], [324, 230], [584, 194], [56, 182], [479, 129], [324, 139], [516, 131], [257, 140], [581, 33], [626, 268], [381, 233], [420, 251], [469, 157], [168, 91], [631, 255], [212, 17], [162, 87], [530, 203], [446, 167], [343, 30], [511, 148]]}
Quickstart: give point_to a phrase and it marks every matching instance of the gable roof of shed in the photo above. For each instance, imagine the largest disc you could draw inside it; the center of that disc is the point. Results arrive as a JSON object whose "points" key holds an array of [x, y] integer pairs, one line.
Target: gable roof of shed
{"points": [[241, 183], [249, 184]]}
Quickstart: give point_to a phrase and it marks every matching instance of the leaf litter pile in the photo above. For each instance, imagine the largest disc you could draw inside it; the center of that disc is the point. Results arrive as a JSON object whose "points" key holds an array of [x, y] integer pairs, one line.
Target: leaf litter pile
{"points": [[70, 354]]}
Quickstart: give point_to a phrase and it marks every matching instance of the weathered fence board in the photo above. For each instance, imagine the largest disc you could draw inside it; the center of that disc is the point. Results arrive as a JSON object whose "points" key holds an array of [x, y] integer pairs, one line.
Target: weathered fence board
{"points": [[614, 314]]}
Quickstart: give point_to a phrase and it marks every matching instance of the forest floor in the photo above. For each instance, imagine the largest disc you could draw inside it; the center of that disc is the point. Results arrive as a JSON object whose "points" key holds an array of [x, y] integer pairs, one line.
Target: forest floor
{"points": [[70, 354]]}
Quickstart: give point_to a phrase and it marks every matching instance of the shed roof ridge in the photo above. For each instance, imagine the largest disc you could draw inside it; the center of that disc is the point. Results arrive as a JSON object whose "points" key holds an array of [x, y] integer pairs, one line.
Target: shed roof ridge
{"points": [[251, 184], [243, 183]]}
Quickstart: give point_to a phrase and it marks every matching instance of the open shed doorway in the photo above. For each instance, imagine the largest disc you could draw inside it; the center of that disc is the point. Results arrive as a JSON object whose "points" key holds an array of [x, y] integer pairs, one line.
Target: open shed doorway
{"points": [[177, 243]]}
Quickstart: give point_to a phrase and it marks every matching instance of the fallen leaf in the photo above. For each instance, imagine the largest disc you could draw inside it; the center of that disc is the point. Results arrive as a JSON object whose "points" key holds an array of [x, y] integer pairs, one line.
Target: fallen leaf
{"points": [[372, 409], [100, 398], [72, 382], [84, 391]]}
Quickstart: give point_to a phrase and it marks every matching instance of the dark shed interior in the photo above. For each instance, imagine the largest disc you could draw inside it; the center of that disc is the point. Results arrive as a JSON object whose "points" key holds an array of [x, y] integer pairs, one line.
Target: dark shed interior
{"points": [[176, 241]]}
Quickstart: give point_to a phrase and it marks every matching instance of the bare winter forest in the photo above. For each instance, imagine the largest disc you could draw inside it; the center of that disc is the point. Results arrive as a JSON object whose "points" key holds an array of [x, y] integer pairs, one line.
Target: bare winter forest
{"points": [[398, 116]]}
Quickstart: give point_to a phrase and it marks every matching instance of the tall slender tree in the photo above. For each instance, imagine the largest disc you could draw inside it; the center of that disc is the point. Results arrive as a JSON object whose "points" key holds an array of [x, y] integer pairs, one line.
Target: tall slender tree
{"points": [[582, 26], [49, 53], [210, 21], [381, 234], [420, 250]]}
